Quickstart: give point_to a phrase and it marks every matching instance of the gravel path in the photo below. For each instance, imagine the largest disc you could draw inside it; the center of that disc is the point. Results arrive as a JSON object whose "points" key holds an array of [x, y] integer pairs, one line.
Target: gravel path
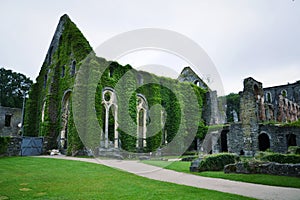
{"points": [[245, 189]]}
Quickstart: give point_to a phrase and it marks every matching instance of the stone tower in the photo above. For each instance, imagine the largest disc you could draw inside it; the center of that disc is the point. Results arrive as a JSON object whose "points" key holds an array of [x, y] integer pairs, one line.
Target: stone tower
{"points": [[251, 111]]}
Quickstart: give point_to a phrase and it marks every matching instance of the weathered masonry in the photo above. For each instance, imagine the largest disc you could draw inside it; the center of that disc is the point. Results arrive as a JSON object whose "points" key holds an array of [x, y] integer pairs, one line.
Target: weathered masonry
{"points": [[254, 133], [49, 109], [10, 119]]}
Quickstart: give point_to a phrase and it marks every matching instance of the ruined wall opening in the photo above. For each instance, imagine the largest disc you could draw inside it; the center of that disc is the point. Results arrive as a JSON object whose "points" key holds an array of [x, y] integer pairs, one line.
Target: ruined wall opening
{"points": [[63, 69], [284, 93], [43, 111], [256, 90], [73, 68], [110, 110], [110, 72], [142, 109], [141, 129], [7, 120], [224, 146], [263, 142], [50, 54], [269, 97], [140, 79], [64, 120], [197, 82], [291, 140], [45, 80]]}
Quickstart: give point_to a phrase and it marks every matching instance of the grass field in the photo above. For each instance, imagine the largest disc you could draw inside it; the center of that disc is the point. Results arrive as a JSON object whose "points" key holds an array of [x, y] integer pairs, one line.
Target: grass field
{"points": [[264, 179], [44, 178]]}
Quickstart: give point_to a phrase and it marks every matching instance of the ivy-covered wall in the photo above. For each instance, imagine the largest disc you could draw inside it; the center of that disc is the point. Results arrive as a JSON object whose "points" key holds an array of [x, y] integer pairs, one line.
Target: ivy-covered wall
{"points": [[68, 48]]}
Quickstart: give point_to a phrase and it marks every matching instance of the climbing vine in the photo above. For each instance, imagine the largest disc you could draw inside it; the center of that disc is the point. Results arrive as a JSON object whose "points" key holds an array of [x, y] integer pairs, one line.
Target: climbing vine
{"points": [[57, 76]]}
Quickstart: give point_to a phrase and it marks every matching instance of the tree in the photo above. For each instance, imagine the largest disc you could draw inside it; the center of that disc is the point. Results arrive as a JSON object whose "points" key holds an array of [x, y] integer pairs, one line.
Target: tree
{"points": [[13, 87], [233, 105]]}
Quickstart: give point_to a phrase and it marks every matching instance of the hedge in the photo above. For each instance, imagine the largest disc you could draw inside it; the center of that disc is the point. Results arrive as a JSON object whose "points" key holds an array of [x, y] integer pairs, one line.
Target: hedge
{"points": [[281, 158], [216, 162]]}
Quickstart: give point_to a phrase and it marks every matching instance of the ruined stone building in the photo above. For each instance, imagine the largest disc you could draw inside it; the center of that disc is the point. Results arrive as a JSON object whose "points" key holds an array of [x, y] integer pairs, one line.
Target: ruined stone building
{"points": [[10, 120], [259, 107], [116, 103], [50, 108]]}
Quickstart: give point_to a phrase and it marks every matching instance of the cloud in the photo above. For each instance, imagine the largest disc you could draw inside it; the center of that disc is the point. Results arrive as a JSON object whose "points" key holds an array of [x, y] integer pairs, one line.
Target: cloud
{"points": [[243, 38]]}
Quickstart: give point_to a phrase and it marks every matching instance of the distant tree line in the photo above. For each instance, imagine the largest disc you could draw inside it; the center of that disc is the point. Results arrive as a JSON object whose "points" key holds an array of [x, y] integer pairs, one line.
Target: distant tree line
{"points": [[13, 87]]}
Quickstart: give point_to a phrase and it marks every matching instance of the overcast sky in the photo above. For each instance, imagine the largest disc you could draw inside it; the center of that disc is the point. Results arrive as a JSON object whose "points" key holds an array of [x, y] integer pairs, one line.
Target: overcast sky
{"points": [[258, 38]]}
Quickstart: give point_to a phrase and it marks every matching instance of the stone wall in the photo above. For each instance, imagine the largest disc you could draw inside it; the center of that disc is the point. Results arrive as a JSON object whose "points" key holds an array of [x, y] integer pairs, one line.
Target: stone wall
{"points": [[10, 118], [278, 138], [14, 146], [284, 101], [188, 75], [251, 112], [264, 168]]}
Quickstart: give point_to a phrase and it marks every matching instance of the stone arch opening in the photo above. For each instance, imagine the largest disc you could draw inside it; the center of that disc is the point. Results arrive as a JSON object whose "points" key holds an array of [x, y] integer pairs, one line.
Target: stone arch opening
{"points": [[111, 72], [224, 147], [284, 93], [291, 140], [269, 97], [45, 80], [7, 120], [63, 71], [256, 89], [65, 112], [263, 142], [73, 68], [197, 82], [43, 111], [110, 116], [140, 79], [142, 109], [50, 54]]}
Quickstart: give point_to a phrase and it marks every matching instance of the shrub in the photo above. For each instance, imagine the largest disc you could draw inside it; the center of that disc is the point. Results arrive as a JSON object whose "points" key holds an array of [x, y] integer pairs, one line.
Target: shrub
{"points": [[3, 145], [294, 150], [188, 159], [282, 158], [216, 162]]}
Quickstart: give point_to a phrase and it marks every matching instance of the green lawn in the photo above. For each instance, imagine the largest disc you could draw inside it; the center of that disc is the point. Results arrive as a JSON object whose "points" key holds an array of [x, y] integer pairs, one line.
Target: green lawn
{"points": [[264, 179], [46, 178]]}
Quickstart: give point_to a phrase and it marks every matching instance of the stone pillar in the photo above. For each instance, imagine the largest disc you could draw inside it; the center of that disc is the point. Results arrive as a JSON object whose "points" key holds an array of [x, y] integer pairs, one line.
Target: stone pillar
{"points": [[137, 128], [106, 127], [251, 110], [144, 128], [116, 143]]}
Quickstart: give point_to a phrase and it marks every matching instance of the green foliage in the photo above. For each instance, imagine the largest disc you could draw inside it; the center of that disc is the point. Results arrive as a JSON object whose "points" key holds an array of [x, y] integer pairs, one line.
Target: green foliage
{"points": [[56, 78], [13, 87], [233, 104], [3, 144], [294, 150], [216, 162], [293, 124], [281, 158]]}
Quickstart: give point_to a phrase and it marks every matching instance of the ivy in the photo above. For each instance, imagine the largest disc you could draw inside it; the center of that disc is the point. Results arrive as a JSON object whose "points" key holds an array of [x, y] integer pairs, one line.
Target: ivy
{"points": [[174, 97]]}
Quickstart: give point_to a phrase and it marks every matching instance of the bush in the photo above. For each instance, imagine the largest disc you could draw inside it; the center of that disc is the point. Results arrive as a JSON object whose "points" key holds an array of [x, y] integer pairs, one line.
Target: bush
{"points": [[188, 159], [282, 158], [3, 145], [190, 153], [294, 150], [216, 162]]}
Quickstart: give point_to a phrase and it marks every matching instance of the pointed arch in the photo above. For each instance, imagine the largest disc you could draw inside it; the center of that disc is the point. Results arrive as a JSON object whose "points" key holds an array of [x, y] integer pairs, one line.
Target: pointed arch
{"points": [[142, 111], [109, 101], [65, 112]]}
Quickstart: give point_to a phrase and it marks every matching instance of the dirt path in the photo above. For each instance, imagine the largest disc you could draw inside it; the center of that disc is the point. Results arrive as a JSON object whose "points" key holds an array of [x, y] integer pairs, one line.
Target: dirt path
{"points": [[234, 187]]}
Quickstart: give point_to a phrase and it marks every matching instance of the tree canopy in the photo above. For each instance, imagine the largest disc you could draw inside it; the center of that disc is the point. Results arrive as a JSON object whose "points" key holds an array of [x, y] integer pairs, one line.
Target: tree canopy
{"points": [[13, 86]]}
